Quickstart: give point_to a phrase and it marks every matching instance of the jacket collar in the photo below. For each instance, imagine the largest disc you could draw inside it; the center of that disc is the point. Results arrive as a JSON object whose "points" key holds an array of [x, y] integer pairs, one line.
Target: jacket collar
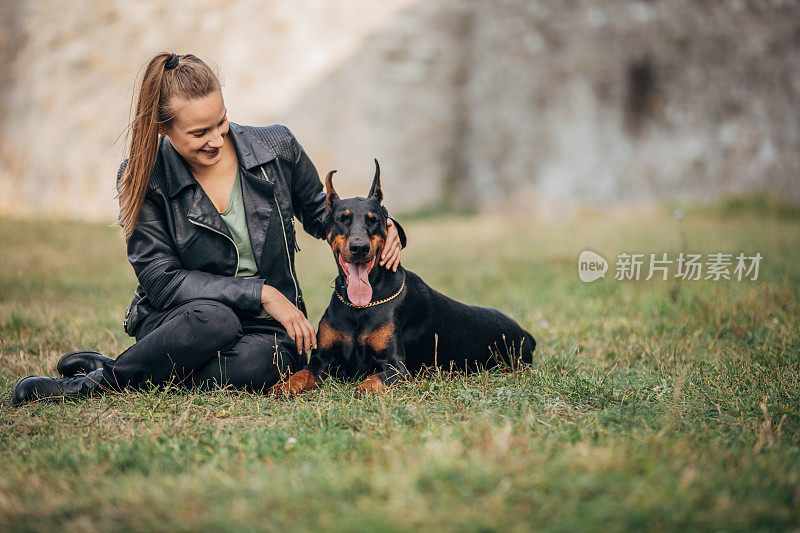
{"points": [[250, 150]]}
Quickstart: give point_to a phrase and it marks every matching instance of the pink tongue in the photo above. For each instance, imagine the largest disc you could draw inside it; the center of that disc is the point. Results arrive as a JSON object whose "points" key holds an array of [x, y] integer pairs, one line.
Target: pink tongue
{"points": [[358, 288]]}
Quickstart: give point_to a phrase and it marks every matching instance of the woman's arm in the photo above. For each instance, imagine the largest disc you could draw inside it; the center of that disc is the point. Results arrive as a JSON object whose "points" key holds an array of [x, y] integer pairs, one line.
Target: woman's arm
{"points": [[167, 283], [152, 255], [308, 195]]}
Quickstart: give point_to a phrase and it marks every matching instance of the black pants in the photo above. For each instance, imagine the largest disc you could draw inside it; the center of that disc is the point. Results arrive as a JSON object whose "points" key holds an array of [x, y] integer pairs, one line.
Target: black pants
{"points": [[204, 343]]}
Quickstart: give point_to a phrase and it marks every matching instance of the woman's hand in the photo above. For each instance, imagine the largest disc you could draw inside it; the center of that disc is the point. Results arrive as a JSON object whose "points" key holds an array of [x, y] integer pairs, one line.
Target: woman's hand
{"points": [[297, 325], [390, 257]]}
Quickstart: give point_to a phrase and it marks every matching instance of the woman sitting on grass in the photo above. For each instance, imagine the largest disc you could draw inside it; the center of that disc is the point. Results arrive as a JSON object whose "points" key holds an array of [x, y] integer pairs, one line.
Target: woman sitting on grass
{"points": [[206, 207]]}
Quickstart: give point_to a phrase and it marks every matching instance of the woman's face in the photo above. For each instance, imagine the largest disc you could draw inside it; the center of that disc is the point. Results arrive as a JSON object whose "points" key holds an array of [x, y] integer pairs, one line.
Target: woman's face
{"points": [[198, 129]]}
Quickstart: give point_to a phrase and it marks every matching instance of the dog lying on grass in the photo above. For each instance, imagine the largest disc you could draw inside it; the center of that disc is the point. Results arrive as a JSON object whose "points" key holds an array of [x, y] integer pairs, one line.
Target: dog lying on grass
{"points": [[387, 325]]}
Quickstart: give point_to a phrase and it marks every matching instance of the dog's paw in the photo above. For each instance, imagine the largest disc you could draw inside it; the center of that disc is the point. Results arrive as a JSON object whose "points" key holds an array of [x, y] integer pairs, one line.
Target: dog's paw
{"points": [[283, 390], [371, 385], [297, 383]]}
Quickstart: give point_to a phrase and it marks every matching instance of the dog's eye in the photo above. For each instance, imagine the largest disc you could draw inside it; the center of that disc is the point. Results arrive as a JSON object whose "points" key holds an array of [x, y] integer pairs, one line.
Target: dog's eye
{"points": [[344, 218]]}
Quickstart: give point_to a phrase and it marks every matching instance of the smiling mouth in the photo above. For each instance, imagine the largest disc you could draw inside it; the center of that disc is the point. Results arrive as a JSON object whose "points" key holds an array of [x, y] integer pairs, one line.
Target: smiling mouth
{"points": [[212, 152], [359, 289]]}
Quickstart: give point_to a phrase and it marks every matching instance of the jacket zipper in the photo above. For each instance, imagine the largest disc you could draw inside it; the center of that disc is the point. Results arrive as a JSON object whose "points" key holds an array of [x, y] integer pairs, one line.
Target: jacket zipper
{"points": [[294, 237], [285, 240], [217, 231]]}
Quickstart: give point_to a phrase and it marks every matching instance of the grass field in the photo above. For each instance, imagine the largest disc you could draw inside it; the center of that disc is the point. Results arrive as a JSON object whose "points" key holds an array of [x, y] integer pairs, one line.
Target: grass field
{"points": [[651, 404]]}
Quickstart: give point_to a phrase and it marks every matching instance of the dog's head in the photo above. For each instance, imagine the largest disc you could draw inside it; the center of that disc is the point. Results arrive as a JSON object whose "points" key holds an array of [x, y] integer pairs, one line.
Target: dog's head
{"points": [[356, 230]]}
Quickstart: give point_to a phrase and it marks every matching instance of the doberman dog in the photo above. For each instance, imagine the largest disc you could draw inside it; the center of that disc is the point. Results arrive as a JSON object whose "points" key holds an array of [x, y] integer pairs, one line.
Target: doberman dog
{"points": [[387, 325]]}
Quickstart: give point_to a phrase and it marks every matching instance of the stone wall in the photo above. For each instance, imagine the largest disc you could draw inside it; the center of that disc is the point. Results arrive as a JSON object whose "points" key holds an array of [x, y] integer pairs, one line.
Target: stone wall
{"points": [[475, 104]]}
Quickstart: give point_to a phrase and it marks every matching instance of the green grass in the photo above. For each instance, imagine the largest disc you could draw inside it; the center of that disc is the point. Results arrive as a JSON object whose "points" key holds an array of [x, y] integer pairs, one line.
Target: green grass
{"points": [[650, 404]]}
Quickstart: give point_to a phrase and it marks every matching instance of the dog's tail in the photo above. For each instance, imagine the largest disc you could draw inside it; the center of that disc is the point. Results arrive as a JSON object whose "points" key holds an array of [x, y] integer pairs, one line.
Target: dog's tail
{"points": [[526, 348], [515, 350]]}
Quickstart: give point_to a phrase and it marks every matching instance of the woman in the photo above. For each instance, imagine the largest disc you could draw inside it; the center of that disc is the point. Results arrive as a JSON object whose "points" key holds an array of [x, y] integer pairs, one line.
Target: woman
{"points": [[207, 210]]}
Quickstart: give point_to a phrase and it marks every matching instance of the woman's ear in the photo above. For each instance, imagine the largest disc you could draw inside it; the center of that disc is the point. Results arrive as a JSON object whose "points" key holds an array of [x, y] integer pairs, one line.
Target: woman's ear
{"points": [[162, 130]]}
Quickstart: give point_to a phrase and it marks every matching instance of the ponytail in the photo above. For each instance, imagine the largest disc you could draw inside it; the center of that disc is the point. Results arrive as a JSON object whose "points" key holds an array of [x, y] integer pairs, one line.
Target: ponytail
{"points": [[166, 77]]}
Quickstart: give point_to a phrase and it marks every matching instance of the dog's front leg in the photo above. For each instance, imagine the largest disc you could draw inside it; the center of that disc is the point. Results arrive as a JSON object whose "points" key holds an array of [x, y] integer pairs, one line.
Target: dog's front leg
{"points": [[297, 383], [393, 369]]}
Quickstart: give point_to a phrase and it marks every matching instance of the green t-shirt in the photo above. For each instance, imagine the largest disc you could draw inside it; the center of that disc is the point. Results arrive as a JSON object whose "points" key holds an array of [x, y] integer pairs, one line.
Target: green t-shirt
{"points": [[234, 218]]}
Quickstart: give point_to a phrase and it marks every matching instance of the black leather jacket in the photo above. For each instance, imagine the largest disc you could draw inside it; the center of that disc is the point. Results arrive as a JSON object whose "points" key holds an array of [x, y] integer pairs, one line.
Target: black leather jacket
{"points": [[182, 250]]}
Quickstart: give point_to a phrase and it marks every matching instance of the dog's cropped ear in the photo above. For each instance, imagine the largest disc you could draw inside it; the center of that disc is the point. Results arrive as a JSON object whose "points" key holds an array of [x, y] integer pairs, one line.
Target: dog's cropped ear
{"points": [[332, 196], [375, 191]]}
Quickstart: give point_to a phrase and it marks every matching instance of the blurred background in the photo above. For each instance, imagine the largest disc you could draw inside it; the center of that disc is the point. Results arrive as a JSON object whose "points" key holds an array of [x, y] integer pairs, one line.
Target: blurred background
{"points": [[514, 104]]}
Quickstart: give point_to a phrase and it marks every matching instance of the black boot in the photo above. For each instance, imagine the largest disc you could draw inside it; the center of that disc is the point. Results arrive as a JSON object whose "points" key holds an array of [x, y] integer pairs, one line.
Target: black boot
{"points": [[34, 388], [81, 362]]}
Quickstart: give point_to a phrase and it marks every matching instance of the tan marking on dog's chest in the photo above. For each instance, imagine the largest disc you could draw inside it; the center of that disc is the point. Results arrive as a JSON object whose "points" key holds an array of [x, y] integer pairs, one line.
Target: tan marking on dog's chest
{"points": [[328, 335], [378, 339]]}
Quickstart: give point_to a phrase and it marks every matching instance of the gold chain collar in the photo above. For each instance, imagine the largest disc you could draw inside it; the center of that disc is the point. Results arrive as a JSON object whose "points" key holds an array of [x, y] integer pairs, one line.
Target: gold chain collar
{"points": [[376, 302]]}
